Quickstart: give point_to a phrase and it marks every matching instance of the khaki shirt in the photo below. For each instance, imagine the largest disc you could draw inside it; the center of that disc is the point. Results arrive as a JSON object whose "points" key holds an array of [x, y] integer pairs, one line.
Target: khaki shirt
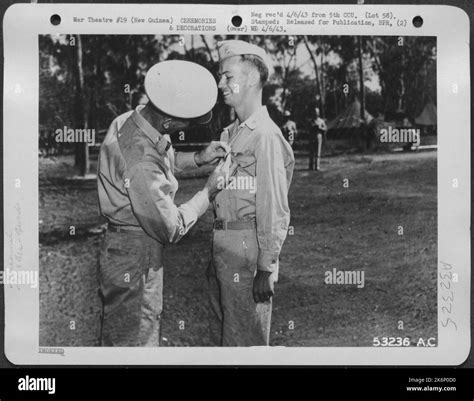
{"points": [[136, 183], [260, 186]]}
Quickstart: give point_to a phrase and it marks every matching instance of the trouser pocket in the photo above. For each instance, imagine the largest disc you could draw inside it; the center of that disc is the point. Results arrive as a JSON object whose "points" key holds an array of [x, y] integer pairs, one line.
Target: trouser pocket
{"points": [[123, 259], [131, 287]]}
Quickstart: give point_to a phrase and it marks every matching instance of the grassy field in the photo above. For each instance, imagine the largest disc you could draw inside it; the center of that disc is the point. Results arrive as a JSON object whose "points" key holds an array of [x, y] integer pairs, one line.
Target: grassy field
{"points": [[354, 228]]}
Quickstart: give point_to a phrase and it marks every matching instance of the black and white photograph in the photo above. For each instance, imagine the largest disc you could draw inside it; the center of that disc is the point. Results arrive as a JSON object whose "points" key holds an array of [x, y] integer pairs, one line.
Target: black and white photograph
{"points": [[198, 196], [258, 185], [237, 190]]}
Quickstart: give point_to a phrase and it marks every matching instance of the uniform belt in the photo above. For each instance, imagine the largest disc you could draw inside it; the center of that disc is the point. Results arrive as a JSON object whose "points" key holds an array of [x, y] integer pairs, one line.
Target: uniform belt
{"points": [[125, 229], [234, 225]]}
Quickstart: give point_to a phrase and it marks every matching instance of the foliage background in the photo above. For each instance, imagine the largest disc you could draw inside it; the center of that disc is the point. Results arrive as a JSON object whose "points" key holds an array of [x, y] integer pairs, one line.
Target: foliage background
{"points": [[88, 80]]}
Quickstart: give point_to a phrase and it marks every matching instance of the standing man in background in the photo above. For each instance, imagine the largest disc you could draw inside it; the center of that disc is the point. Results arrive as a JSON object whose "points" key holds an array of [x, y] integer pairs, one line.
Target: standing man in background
{"points": [[316, 140], [136, 188], [252, 217]]}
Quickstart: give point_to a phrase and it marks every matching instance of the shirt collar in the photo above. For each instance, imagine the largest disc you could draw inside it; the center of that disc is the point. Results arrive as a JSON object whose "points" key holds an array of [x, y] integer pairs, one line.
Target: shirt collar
{"points": [[151, 132], [161, 142], [252, 121]]}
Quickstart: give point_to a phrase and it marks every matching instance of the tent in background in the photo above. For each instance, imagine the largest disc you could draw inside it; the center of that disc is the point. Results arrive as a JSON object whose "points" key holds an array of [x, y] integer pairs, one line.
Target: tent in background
{"points": [[349, 117], [428, 116]]}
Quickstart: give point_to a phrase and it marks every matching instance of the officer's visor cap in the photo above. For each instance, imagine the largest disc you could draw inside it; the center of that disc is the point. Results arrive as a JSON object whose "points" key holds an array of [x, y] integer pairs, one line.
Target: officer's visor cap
{"points": [[182, 89]]}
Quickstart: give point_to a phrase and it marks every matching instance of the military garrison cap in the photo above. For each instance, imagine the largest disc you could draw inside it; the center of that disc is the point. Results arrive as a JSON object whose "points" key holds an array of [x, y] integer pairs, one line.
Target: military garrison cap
{"points": [[230, 48], [182, 89]]}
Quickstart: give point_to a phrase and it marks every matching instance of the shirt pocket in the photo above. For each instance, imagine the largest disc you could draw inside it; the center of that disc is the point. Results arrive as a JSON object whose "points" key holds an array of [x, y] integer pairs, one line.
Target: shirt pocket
{"points": [[247, 164]]}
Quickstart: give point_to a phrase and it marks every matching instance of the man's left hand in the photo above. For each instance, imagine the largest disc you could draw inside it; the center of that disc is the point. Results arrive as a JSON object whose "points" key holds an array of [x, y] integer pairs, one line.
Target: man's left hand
{"points": [[263, 288], [214, 151]]}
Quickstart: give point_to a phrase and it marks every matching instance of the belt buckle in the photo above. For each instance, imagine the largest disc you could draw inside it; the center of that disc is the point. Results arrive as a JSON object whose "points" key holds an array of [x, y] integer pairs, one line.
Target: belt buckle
{"points": [[220, 225]]}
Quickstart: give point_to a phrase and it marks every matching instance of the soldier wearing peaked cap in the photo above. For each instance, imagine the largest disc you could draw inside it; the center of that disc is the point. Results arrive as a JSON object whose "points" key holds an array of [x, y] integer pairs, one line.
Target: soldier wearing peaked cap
{"points": [[136, 188], [251, 221]]}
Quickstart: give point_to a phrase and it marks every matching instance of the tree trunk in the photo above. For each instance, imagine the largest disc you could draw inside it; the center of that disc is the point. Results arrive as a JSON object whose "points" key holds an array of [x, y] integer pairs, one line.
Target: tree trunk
{"points": [[285, 81], [361, 77], [345, 80], [401, 92], [313, 59], [323, 89], [193, 55], [381, 70], [203, 38], [82, 150]]}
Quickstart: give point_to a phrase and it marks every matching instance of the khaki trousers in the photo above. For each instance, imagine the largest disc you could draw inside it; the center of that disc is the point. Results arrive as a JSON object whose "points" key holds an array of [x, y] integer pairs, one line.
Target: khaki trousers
{"points": [[235, 318], [131, 289]]}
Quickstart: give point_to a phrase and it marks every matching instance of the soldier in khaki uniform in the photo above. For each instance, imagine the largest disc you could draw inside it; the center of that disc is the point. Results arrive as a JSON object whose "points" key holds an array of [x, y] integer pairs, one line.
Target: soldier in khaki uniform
{"points": [[136, 188], [316, 140], [252, 213]]}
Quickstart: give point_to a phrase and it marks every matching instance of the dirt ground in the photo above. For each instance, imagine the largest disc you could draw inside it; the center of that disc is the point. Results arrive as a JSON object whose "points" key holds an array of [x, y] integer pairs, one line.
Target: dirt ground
{"points": [[354, 228]]}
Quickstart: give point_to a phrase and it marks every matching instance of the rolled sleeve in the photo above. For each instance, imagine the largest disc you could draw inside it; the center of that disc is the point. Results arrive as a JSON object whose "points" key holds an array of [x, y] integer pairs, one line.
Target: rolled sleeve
{"points": [[154, 208], [272, 210]]}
